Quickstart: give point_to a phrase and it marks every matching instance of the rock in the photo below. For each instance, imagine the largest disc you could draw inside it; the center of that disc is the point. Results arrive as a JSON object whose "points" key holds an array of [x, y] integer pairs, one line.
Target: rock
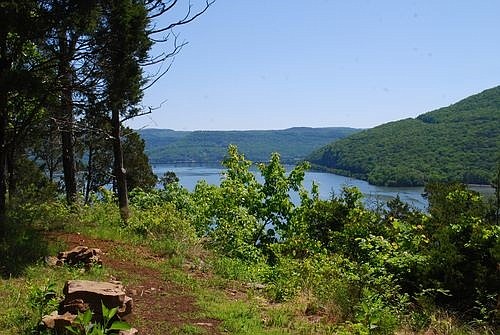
{"points": [[53, 261], [72, 256], [204, 324], [78, 255], [73, 306], [58, 322], [127, 306], [81, 255], [131, 331], [81, 295]]}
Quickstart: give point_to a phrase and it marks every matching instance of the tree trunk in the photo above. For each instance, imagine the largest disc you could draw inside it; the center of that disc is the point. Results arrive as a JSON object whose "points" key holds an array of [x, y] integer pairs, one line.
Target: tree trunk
{"points": [[68, 159], [65, 117], [89, 172], [11, 178], [4, 68], [51, 156], [119, 169], [3, 159]]}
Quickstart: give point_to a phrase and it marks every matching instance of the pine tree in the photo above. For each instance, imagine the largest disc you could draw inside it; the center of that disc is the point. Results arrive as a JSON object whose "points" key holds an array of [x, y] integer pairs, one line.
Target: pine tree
{"points": [[123, 44], [19, 29]]}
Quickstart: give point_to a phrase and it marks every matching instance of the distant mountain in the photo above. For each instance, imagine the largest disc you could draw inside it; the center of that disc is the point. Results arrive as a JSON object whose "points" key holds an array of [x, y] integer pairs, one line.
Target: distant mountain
{"points": [[169, 146], [456, 143]]}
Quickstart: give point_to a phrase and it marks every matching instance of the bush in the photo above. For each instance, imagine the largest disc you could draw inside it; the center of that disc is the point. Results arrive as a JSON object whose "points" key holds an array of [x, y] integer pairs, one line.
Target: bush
{"points": [[160, 221], [22, 246]]}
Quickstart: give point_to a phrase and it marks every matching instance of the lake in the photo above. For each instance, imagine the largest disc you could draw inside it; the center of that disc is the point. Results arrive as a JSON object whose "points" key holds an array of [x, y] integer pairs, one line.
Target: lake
{"points": [[328, 183]]}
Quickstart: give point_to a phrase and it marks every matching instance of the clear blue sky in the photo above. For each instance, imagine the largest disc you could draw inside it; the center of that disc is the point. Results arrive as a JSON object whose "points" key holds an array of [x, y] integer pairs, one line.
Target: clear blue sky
{"points": [[275, 64]]}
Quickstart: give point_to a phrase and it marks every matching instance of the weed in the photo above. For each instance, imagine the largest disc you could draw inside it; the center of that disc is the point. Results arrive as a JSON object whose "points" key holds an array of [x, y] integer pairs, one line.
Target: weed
{"points": [[83, 324], [20, 248], [43, 298]]}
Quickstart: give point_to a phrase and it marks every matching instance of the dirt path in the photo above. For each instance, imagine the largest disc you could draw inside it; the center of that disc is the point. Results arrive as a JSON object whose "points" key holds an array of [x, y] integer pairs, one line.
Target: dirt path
{"points": [[160, 307]]}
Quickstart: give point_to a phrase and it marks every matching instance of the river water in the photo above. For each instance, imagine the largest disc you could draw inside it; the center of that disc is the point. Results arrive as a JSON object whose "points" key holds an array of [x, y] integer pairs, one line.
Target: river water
{"points": [[328, 183]]}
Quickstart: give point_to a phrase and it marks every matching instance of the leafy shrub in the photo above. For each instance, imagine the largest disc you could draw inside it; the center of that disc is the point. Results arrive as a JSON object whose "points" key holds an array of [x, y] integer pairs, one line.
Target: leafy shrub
{"points": [[160, 221], [463, 250], [365, 268], [284, 280], [84, 324], [47, 216], [43, 299], [237, 269], [22, 246], [102, 211]]}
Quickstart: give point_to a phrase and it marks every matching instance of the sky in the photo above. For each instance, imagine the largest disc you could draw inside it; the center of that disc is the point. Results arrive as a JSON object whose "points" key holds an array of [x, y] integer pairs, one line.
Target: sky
{"points": [[276, 64]]}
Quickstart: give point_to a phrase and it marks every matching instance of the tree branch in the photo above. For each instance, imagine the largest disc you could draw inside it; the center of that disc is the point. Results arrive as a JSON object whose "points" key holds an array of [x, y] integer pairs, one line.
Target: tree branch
{"points": [[185, 20]]}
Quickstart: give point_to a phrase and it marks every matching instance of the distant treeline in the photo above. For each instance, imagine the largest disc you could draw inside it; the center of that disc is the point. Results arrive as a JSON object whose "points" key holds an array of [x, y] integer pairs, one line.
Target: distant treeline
{"points": [[459, 143], [294, 144]]}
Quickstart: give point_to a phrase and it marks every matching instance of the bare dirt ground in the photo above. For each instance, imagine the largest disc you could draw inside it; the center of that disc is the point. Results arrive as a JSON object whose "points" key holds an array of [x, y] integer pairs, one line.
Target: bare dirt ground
{"points": [[160, 306]]}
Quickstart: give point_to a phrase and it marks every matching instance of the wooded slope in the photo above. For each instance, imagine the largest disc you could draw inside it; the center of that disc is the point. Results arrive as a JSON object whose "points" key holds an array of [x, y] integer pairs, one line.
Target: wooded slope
{"points": [[456, 143], [169, 146]]}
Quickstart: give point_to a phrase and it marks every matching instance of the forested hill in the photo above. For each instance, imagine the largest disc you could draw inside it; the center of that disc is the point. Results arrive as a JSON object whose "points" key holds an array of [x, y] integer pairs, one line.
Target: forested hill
{"points": [[168, 146], [456, 143]]}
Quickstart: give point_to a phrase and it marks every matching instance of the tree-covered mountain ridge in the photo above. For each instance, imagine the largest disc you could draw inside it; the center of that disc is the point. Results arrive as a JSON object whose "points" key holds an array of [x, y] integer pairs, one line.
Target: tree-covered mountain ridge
{"points": [[458, 143], [293, 144]]}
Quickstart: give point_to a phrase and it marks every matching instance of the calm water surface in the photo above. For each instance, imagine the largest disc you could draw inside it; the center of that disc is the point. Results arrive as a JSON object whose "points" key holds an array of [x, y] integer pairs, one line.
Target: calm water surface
{"points": [[328, 183]]}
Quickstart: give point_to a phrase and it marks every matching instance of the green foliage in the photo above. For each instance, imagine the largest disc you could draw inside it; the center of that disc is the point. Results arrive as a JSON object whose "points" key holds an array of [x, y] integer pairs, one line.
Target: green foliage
{"points": [[243, 217], [139, 171], [238, 269], [21, 247], [463, 249], [25, 298], [165, 146], [102, 210], [458, 143], [169, 177], [155, 217], [285, 279], [43, 299], [376, 315], [97, 158], [163, 222], [366, 267], [366, 272], [46, 216], [238, 317], [84, 325], [29, 184]]}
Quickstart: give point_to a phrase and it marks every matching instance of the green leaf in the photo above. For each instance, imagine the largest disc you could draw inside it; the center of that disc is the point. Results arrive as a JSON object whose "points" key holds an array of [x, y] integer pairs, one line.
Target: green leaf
{"points": [[119, 325], [112, 313], [105, 310], [87, 317], [72, 330]]}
